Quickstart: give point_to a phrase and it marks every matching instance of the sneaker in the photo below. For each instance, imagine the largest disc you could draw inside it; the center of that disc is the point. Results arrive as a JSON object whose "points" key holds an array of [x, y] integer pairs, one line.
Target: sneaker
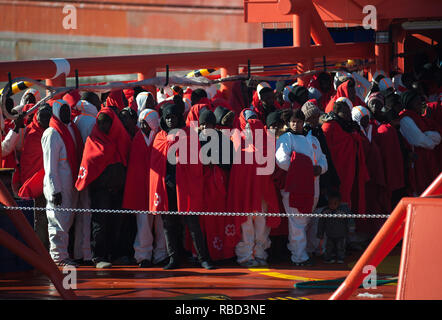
{"points": [[67, 262], [207, 265], [249, 263], [145, 264], [103, 265], [306, 263], [261, 262]]}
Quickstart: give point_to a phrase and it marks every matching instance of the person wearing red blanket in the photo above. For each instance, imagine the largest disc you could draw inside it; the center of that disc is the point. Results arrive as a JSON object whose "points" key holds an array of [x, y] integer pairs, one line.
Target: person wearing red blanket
{"points": [[31, 163], [221, 233], [347, 153], [301, 157], [376, 187], [62, 148], [386, 136], [241, 96], [347, 90], [103, 170], [136, 193], [251, 190], [116, 98], [11, 132], [422, 139], [177, 186], [199, 102], [264, 101], [323, 82]]}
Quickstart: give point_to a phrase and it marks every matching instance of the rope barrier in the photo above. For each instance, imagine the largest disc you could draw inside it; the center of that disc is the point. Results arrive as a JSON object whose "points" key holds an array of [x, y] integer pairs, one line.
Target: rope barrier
{"points": [[202, 213]]}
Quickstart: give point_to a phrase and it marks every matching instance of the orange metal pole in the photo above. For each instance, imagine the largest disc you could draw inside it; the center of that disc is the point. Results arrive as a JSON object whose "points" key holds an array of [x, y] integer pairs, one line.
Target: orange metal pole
{"points": [[45, 263], [36, 260], [149, 73], [382, 51], [389, 235], [226, 87], [95, 66], [372, 253], [301, 39]]}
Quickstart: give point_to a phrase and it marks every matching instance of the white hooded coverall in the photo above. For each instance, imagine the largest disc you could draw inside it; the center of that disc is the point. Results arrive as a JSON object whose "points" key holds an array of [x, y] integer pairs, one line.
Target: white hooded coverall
{"points": [[85, 121], [309, 146], [144, 240], [58, 178]]}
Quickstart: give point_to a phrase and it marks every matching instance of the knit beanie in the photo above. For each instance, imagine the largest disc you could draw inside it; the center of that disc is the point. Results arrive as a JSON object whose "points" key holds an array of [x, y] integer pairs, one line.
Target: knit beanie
{"points": [[310, 109]]}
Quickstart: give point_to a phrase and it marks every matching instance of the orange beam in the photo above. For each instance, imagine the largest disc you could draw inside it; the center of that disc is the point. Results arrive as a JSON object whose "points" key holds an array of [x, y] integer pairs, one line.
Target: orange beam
{"points": [[344, 11], [94, 66], [36, 254], [385, 240]]}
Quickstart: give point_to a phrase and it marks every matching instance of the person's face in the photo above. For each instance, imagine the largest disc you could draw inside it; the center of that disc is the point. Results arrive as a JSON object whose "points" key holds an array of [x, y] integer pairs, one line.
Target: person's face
{"points": [[333, 203], [145, 128], [205, 126], [65, 114], [375, 105], [104, 123], [345, 114], [297, 125], [150, 102], [268, 98], [364, 122], [313, 120], [171, 121], [128, 122], [43, 118]]}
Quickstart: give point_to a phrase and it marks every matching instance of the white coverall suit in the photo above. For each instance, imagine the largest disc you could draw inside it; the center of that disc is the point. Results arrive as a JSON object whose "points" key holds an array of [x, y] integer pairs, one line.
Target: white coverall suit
{"points": [[144, 240], [298, 226], [58, 178], [82, 248]]}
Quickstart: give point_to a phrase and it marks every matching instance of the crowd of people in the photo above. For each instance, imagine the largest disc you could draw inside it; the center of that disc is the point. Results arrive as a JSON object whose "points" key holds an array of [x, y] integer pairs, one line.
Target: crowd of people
{"points": [[342, 145]]}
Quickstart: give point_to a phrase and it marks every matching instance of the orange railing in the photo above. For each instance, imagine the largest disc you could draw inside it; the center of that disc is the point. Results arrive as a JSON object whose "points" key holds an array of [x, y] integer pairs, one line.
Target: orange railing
{"points": [[34, 253], [386, 239]]}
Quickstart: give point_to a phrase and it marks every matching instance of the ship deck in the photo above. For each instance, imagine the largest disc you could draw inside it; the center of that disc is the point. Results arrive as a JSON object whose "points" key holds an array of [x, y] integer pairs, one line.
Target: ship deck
{"points": [[228, 281]]}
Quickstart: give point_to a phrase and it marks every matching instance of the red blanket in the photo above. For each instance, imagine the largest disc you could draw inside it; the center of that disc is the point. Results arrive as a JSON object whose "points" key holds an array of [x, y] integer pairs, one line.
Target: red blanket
{"points": [[246, 189], [326, 96], [300, 183], [189, 177], [342, 91], [387, 140], [136, 192], [194, 112], [74, 150], [259, 108], [115, 98], [349, 160], [222, 232], [425, 168], [102, 150], [31, 161]]}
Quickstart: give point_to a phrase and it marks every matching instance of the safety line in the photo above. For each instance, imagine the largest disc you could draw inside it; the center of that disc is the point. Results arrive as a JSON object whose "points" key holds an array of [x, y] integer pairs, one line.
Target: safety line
{"points": [[202, 213]]}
